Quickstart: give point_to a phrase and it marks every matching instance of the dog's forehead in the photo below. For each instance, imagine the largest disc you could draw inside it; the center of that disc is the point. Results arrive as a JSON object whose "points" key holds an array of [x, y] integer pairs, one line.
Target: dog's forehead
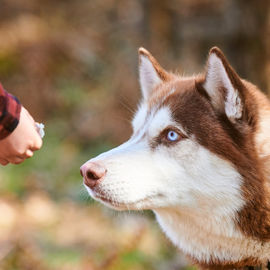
{"points": [[160, 120], [167, 89], [182, 100], [157, 112], [190, 109]]}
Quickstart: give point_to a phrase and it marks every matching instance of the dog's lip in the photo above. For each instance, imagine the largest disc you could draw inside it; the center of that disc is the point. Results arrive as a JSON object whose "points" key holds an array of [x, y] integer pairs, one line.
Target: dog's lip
{"points": [[104, 198], [121, 205], [99, 194], [111, 203]]}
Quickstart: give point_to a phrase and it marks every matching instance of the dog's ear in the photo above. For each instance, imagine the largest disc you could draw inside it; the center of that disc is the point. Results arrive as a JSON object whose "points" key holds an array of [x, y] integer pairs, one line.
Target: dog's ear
{"points": [[223, 86], [150, 72]]}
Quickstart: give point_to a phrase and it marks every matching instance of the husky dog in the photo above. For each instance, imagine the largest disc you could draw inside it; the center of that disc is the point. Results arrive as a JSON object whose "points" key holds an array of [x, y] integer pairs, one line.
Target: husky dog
{"points": [[199, 157]]}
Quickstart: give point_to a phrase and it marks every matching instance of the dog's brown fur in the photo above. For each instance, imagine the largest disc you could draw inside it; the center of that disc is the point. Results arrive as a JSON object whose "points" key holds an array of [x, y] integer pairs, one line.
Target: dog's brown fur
{"points": [[209, 186], [245, 143]]}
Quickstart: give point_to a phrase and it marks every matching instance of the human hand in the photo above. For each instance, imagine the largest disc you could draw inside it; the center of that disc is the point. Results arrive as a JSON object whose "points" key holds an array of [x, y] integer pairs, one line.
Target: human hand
{"points": [[22, 142]]}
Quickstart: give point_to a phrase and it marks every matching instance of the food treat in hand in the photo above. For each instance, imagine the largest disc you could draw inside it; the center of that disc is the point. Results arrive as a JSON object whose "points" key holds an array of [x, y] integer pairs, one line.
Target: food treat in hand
{"points": [[40, 129]]}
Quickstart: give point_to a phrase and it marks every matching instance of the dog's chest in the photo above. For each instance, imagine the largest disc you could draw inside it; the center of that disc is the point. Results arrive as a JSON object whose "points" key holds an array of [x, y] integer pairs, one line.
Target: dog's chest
{"points": [[209, 241]]}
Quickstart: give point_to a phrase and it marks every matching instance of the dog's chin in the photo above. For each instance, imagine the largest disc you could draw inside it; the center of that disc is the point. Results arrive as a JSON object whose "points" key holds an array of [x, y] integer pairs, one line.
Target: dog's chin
{"points": [[140, 204]]}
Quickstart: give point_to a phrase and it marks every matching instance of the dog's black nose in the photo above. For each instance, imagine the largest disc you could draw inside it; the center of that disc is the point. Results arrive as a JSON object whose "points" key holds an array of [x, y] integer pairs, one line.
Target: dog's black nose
{"points": [[93, 173]]}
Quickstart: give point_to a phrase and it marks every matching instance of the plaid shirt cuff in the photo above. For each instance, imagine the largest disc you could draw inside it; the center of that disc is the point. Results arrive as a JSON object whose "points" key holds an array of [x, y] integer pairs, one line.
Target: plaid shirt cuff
{"points": [[10, 109]]}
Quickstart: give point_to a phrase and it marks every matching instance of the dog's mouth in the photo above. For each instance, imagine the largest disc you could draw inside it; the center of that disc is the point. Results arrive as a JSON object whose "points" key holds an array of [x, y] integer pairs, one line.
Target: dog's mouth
{"points": [[105, 199], [142, 204], [110, 202]]}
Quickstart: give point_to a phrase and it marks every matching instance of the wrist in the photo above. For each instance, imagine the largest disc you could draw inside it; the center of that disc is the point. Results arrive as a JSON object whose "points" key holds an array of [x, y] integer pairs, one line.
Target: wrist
{"points": [[10, 114]]}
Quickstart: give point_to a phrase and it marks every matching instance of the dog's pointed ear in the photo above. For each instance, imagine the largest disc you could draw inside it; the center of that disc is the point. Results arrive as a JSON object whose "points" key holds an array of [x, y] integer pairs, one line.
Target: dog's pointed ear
{"points": [[151, 73], [223, 86]]}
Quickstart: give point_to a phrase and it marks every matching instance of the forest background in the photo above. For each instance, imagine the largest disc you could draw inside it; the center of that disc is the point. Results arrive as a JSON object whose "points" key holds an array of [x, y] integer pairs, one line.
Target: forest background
{"points": [[73, 64]]}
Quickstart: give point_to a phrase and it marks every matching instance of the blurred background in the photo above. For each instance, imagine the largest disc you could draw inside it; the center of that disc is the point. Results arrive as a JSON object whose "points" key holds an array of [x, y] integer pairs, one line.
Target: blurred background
{"points": [[73, 64]]}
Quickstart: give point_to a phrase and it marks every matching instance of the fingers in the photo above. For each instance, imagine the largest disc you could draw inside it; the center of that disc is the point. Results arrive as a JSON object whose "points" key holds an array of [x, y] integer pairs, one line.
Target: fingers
{"points": [[26, 154], [17, 160], [37, 143], [3, 162], [29, 153], [22, 142]]}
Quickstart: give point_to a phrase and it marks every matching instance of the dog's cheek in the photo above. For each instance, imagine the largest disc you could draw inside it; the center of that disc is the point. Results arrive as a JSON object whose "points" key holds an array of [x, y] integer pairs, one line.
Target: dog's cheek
{"points": [[171, 177]]}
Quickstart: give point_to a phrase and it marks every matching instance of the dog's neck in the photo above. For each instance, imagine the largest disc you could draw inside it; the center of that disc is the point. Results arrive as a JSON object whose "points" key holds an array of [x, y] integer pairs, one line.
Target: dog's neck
{"points": [[211, 241], [214, 238]]}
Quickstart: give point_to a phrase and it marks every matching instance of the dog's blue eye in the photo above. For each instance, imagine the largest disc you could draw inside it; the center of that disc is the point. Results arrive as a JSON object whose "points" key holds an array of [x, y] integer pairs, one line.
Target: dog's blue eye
{"points": [[172, 136]]}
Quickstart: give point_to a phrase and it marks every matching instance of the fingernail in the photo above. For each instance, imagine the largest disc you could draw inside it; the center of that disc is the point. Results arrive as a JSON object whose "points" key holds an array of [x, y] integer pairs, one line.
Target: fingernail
{"points": [[29, 153]]}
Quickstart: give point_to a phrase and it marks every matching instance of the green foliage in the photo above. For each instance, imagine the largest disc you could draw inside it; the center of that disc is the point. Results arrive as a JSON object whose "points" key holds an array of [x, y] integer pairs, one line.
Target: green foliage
{"points": [[73, 65], [55, 168], [9, 64]]}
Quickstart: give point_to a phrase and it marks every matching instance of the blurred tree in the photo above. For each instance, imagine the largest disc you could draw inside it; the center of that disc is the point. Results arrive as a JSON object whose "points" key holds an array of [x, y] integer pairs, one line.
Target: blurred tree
{"points": [[187, 29], [74, 65]]}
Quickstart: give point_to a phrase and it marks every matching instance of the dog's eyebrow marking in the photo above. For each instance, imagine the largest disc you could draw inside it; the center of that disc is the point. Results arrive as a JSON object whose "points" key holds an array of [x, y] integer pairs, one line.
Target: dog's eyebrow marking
{"points": [[161, 119], [140, 117], [150, 123], [141, 122]]}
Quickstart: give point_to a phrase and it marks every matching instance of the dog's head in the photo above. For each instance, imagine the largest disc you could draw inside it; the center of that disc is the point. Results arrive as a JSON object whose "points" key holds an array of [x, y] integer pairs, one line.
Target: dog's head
{"points": [[190, 137]]}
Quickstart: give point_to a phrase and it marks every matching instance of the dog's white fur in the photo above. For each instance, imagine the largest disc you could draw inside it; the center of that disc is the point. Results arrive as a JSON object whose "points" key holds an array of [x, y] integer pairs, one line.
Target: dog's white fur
{"points": [[194, 193], [173, 182]]}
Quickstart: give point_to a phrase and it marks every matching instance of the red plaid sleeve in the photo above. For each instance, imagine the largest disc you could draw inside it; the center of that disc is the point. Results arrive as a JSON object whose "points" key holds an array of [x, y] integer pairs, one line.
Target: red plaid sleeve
{"points": [[10, 109]]}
